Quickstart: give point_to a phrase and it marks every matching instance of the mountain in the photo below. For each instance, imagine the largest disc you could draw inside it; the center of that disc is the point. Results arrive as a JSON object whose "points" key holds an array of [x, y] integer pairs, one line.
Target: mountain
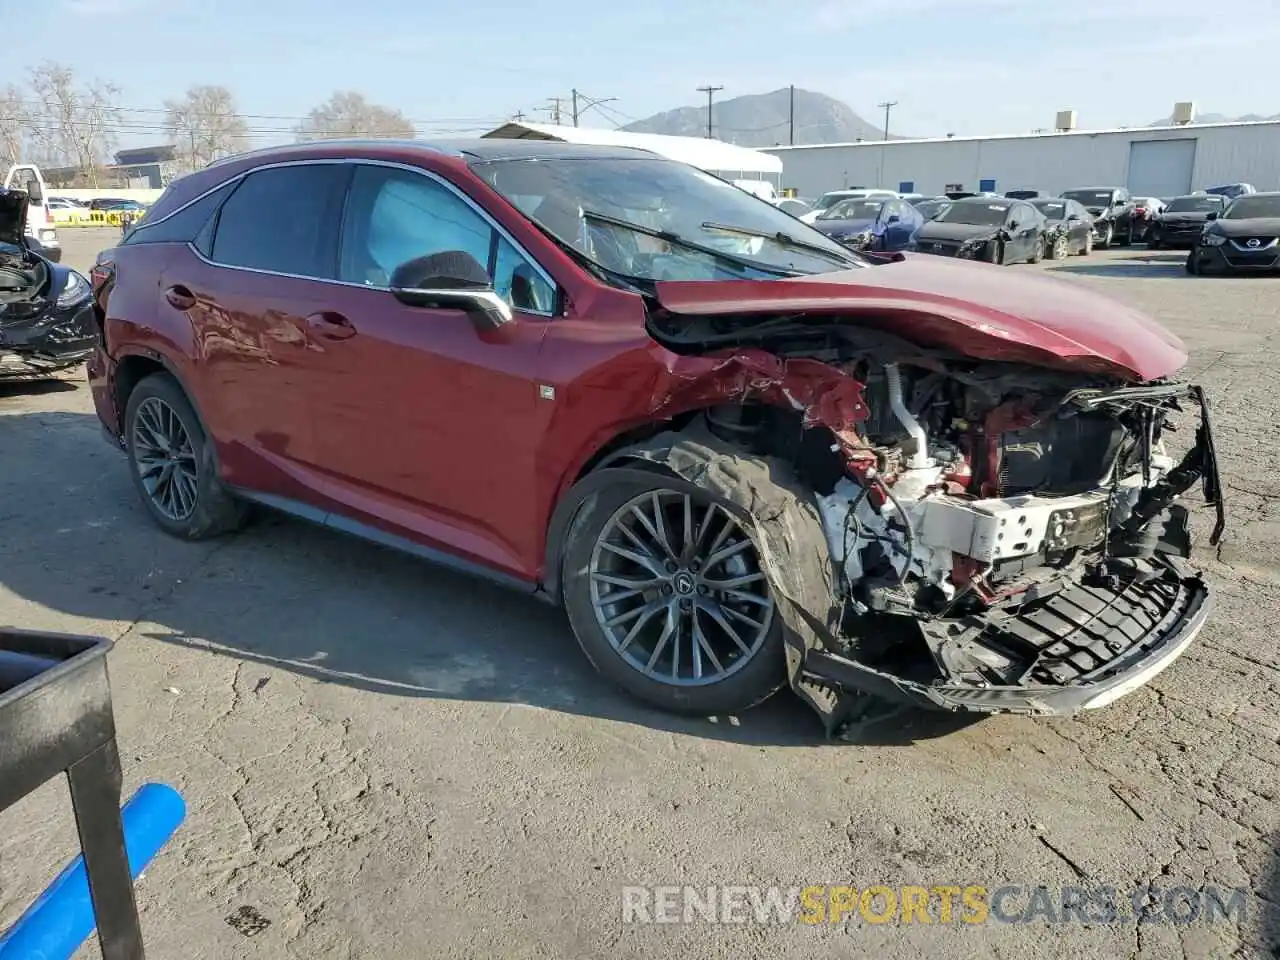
{"points": [[1218, 118], [763, 120]]}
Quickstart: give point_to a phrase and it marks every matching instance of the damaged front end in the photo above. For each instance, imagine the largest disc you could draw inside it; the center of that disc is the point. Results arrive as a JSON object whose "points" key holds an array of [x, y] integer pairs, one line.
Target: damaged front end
{"points": [[998, 537]]}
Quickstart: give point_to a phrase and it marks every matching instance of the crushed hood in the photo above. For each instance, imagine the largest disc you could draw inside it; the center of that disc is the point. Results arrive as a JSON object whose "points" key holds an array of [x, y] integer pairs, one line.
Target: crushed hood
{"points": [[978, 310], [835, 227], [945, 230], [13, 216]]}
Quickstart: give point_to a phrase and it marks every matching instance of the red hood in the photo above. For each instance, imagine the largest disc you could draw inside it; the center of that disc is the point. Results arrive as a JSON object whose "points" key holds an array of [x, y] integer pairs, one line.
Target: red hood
{"points": [[976, 309]]}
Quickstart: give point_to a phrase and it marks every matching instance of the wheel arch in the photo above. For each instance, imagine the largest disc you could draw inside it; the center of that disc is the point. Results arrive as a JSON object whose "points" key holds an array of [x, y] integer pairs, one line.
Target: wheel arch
{"points": [[134, 366]]}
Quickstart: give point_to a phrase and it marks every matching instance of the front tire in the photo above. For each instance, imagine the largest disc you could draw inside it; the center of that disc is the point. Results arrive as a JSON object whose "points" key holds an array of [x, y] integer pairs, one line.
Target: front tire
{"points": [[1153, 240], [993, 252], [1108, 236], [1037, 252], [668, 598], [172, 464], [1088, 244], [1061, 248]]}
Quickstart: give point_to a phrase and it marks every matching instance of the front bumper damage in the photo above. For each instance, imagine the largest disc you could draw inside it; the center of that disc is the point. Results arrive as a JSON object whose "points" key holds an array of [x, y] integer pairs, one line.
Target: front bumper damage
{"points": [[1122, 612], [39, 346]]}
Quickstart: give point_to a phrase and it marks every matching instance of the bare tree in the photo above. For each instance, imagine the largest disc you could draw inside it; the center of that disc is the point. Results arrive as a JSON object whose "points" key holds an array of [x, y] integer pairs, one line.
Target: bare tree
{"points": [[349, 114], [75, 122], [14, 124], [204, 125]]}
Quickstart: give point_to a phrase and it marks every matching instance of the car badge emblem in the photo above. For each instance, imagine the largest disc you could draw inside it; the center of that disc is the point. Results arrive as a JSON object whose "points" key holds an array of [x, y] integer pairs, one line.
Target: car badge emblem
{"points": [[1255, 242]]}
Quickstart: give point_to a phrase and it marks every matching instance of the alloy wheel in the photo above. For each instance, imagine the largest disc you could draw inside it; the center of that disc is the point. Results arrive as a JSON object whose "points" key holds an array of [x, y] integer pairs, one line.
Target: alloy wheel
{"points": [[678, 590], [165, 459], [1060, 248]]}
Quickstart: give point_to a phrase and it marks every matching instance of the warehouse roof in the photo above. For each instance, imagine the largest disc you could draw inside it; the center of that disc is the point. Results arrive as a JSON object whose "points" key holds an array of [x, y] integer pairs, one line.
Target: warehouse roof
{"points": [[1182, 128], [704, 153]]}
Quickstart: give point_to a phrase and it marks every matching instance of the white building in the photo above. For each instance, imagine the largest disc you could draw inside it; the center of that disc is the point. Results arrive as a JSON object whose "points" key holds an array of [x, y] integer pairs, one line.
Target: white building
{"points": [[745, 166], [1150, 161]]}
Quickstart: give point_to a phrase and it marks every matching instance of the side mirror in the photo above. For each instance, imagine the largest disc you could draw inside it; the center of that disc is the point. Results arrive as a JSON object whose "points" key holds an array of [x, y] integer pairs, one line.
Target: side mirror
{"points": [[1073, 217], [894, 218], [1015, 224], [452, 280], [34, 192], [1211, 215]]}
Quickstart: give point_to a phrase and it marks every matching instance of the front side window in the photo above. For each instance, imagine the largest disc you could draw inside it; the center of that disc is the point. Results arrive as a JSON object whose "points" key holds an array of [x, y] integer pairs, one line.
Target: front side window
{"points": [[283, 220], [394, 216]]}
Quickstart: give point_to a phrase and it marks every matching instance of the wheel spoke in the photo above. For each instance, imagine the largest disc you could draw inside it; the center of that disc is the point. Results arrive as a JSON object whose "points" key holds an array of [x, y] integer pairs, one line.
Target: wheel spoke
{"points": [[702, 646], [650, 563], [648, 612], [713, 611], [669, 630], [720, 556], [735, 582]]}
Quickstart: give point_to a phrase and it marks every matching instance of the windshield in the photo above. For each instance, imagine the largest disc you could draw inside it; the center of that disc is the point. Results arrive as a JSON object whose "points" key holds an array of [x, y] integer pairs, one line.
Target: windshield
{"points": [[983, 213], [1053, 209], [1253, 207], [929, 209], [1090, 198], [588, 205], [1194, 205], [853, 210]]}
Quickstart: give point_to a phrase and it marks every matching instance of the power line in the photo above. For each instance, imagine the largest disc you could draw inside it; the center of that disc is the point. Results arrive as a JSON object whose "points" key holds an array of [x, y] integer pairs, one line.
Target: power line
{"points": [[710, 91]]}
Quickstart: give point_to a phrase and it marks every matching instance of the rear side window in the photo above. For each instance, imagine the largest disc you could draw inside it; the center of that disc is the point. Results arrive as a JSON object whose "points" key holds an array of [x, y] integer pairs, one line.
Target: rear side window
{"points": [[283, 220], [184, 225]]}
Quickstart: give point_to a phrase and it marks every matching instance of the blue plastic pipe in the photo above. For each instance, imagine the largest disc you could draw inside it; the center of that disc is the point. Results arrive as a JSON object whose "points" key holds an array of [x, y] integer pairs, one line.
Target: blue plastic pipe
{"points": [[62, 917]]}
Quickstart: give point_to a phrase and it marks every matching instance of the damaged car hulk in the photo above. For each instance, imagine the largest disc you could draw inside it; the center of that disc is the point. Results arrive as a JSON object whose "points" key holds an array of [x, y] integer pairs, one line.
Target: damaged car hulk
{"points": [[740, 455]]}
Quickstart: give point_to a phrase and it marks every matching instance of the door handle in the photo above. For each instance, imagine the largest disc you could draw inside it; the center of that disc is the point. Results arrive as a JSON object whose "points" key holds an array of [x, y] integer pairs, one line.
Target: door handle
{"points": [[330, 326], [180, 298]]}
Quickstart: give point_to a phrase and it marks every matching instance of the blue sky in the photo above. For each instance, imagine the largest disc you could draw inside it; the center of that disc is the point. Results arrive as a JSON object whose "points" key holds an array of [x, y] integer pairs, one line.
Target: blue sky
{"points": [[953, 65]]}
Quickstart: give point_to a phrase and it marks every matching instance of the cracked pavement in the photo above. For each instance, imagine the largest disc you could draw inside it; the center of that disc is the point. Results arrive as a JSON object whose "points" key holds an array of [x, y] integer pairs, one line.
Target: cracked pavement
{"points": [[383, 759]]}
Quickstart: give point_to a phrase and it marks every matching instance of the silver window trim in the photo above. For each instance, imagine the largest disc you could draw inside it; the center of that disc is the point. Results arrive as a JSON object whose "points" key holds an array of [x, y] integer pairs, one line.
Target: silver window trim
{"points": [[428, 174]]}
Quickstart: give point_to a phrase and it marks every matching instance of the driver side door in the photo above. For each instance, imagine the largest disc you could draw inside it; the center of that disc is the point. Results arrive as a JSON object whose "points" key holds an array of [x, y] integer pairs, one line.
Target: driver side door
{"points": [[1020, 224], [428, 423]]}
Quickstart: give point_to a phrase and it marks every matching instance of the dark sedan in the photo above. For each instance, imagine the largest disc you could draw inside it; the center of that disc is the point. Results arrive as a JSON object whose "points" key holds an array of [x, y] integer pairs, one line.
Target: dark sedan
{"points": [[46, 314], [871, 223], [1244, 239], [982, 228], [1181, 221], [930, 207], [1068, 227]]}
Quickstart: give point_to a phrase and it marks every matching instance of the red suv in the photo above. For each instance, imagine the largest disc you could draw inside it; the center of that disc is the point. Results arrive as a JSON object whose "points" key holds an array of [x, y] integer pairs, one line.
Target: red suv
{"points": [[739, 454]]}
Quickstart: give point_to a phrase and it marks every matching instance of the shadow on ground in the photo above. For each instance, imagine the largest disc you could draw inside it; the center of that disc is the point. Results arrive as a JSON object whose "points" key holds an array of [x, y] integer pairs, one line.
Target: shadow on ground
{"points": [[14, 389], [320, 604], [1150, 266]]}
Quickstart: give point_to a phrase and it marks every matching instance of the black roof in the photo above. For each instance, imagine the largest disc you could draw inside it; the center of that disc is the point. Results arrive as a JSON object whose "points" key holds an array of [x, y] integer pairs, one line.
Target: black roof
{"points": [[471, 148]]}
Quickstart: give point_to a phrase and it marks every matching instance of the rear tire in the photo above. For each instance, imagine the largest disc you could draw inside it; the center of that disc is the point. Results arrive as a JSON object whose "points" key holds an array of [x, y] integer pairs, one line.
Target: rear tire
{"points": [[173, 466], [1153, 240], [594, 573]]}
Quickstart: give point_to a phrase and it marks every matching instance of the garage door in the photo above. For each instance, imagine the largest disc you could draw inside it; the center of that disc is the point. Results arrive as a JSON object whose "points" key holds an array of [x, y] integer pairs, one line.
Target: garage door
{"points": [[1161, 168]]}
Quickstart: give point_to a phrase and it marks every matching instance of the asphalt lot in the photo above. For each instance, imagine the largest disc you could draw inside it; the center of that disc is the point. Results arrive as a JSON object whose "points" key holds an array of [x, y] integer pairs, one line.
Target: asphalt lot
{"points": [[387, 760]]}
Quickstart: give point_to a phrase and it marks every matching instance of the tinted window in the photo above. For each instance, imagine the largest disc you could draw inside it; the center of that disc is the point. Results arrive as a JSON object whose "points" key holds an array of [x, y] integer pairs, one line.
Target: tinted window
{"points": [[1195, 204], [1253, 206], [283, 220], [394, 216], [974, 212], [185, 225]]}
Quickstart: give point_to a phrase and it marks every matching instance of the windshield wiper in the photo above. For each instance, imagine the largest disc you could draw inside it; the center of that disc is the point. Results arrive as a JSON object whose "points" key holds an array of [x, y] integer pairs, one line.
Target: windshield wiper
{"points": [[782, 239], [680, 241]]}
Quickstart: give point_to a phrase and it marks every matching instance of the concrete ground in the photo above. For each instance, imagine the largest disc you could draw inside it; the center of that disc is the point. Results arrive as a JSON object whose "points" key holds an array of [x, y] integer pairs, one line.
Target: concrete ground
{"points": [[385, 760]]}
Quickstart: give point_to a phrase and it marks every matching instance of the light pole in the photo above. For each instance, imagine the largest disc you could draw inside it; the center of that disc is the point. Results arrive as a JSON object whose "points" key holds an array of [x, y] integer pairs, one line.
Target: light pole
{"points": [[710, 92]]}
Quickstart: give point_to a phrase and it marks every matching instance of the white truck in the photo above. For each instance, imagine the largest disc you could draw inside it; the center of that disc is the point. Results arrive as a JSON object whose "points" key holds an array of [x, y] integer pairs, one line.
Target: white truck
{"points": [[40, 228]]}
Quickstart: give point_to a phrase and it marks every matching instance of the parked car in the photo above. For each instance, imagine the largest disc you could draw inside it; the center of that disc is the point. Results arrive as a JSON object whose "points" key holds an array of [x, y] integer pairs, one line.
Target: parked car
{"points": [[835, 196], [931, 207], [980, 228], [737, 452], [108, 203], [1022, 194], [1232, 190], [1183, 219], [1244, 238], [797, 208], [66, 211], [46, 314], [1112, 212], [1068, 227], [876, 223]]}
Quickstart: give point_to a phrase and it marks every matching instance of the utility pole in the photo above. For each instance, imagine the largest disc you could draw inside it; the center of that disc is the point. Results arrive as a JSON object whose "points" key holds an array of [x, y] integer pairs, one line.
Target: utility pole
{"points": [[710, 92], [588, 103], [518, 116], [554, 108], [793, 115], [888, 105]]}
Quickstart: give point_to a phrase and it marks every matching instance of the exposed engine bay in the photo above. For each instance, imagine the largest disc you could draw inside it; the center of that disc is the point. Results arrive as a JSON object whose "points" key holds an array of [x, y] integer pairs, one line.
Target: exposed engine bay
{"points": [[1005, 538]]}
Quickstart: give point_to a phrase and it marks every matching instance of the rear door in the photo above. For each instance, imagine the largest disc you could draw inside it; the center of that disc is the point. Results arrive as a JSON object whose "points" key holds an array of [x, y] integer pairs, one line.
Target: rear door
{"points": [[425, 424], [253, 293]]}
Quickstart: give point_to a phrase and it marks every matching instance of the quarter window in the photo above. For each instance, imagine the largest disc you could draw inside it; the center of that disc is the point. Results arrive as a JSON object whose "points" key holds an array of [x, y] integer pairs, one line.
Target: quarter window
{"points": [[394, 216], [283, 220]]}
